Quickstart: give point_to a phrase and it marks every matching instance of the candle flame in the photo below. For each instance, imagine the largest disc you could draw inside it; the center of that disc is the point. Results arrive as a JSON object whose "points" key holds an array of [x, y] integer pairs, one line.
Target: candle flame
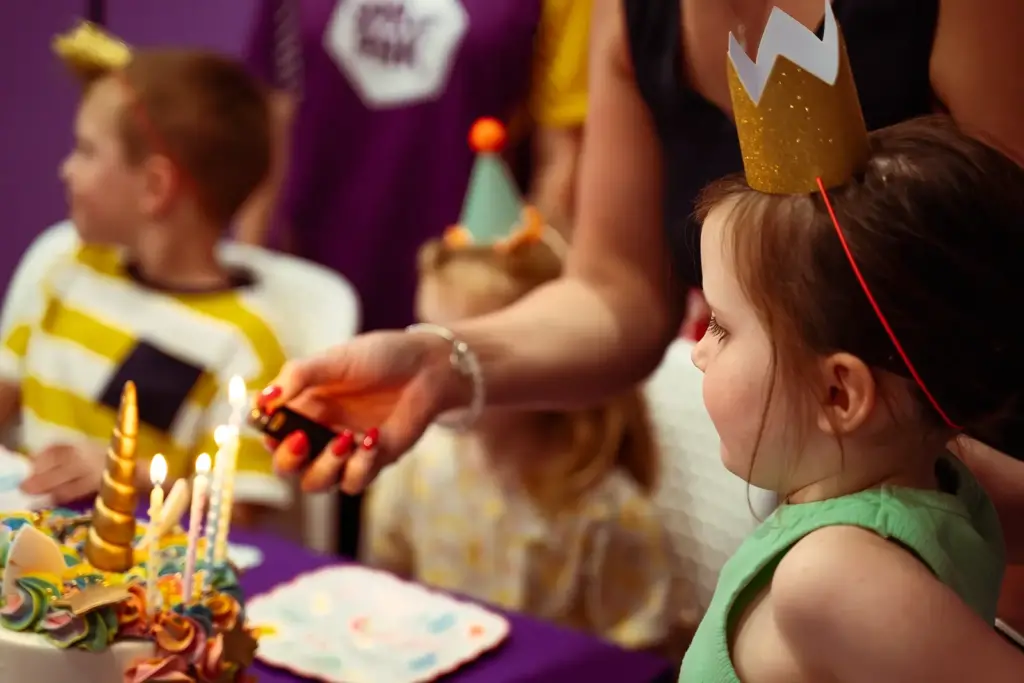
{"points": [[158, 470], [203, 463], [221, 434], [237, 393]]}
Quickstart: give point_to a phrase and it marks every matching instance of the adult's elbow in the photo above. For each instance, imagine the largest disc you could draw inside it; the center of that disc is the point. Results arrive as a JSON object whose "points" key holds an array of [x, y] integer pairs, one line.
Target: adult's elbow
{"points": [[647, 320]]}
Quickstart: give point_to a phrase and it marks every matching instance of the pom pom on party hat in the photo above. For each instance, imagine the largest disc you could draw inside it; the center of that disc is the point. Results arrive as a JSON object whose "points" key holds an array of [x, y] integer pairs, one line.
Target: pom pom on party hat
{"points": [[493, 212]]}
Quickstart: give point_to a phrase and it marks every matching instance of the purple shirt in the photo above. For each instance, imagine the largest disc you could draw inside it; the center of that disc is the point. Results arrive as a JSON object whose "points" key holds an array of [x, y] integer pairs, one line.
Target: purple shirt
{"points": [[380, 159]]}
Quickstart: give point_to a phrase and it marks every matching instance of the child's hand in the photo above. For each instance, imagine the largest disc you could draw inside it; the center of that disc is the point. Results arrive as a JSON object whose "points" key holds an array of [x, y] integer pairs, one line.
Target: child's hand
{"points": [[66, 472]]}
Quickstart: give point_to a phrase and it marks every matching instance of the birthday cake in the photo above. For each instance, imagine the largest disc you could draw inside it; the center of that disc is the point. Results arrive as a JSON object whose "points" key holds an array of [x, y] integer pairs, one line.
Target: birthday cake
{"points": [[102, 598], [77, 623]]}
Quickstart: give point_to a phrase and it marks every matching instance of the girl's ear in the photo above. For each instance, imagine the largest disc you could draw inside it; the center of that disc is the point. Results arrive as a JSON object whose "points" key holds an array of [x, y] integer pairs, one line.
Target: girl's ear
{"points": [[850, 393]]}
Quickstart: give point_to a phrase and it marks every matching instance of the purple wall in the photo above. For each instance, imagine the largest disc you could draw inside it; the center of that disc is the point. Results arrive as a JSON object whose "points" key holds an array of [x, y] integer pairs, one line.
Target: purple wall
{"points": [[216, 24], [37, 98]]}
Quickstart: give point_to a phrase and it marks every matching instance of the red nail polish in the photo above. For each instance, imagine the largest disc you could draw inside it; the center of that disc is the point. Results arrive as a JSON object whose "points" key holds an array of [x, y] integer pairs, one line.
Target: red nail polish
{"points": [[370, 440], [342, 446], [269, 395], [297, 443]]}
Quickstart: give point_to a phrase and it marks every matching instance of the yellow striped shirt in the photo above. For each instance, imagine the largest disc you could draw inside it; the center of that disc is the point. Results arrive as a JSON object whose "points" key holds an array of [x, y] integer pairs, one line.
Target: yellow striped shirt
{"points": [[93, 327]]}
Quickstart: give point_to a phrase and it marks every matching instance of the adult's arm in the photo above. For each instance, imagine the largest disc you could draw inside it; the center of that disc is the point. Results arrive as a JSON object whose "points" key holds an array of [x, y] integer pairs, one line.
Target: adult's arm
{"points": [[558, 106], [606, 323], [254, 219], [975, 69]]}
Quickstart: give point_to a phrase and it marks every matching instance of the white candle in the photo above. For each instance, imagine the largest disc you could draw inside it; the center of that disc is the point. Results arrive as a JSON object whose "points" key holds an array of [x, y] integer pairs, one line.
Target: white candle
{"points": [[229, 442], [229, 453], [195, 521], [238, 397], [175, 506], [157, 476], [212, 515]]}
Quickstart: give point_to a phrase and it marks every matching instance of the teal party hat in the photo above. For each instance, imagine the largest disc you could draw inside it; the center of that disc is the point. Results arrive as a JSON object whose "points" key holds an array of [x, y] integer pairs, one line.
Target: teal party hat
{"points": [[493, 205]]}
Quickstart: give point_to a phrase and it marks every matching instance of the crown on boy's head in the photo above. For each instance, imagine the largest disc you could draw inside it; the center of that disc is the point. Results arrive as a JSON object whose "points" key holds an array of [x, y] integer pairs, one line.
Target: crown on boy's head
{"points": [[90, 51], [796, 108]]}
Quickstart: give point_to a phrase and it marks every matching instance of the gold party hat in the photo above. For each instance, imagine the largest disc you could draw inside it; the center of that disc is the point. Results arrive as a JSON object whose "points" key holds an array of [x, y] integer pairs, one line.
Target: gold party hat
{"points": [[91, 52], [796, 108], [109, 545]]}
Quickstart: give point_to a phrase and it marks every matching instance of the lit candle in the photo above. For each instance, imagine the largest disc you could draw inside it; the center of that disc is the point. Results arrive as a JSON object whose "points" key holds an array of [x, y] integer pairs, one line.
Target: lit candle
{"points": [[239, 400], [229, 452], [157, 475], [229, 443], [212, 514], [218, 518], [195, 520]]}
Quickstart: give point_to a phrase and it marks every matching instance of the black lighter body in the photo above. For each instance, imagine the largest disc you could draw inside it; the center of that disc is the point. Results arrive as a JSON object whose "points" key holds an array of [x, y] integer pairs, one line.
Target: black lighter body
{"points": [[283, 421]]}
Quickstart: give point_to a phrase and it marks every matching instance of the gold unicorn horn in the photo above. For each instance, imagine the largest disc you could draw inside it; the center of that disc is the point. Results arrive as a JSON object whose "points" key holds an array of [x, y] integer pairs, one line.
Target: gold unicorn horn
{"points": [[91, 52], [112, 533]]}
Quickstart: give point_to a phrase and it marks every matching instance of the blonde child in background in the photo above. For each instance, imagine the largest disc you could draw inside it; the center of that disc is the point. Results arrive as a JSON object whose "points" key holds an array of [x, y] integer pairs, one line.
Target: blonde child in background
{"points": [[547, 513], [168, 145]]}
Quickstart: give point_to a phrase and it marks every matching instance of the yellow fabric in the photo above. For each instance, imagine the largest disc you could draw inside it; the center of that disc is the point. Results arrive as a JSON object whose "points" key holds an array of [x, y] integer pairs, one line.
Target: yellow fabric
{"points": [[559, 94], [440, 516], [93, 317]]}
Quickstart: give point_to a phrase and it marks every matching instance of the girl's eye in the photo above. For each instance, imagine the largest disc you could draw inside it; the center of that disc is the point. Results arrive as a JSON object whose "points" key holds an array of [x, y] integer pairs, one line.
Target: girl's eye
{"points": [[714, 329]]}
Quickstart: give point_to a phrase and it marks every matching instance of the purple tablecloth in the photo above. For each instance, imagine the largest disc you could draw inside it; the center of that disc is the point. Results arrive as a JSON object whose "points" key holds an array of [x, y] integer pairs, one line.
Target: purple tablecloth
{"points": [[535, 652]]}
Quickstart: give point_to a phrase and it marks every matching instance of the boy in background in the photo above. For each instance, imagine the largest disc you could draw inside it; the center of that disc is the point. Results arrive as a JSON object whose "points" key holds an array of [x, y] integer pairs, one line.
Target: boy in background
{"points": [[168, 145]]}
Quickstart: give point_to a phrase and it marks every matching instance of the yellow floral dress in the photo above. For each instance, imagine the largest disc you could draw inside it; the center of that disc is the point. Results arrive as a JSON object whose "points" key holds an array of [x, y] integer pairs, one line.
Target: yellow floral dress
{"points": [[442, 517]]}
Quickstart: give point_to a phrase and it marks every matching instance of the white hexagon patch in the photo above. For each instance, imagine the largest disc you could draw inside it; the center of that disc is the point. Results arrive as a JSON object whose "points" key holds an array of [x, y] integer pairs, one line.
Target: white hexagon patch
{"points": [[396, 52]]}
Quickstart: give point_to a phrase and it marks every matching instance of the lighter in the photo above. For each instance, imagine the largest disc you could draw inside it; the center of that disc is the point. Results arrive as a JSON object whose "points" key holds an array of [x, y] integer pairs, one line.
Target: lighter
{"points": [[283, 421]]}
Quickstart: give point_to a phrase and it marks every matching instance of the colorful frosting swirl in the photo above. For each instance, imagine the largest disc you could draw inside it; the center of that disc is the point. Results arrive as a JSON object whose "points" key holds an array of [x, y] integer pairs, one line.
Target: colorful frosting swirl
{"points": [[189, 637]]}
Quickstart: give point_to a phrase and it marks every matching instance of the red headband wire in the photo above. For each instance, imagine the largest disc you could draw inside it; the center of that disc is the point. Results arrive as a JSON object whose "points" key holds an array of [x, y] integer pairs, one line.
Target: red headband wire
{"points": [[878, 312]]}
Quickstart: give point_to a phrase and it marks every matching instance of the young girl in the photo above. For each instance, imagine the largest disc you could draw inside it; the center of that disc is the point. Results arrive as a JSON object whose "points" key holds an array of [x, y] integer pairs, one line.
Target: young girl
{"points": [[542, 512], [860, 288]]}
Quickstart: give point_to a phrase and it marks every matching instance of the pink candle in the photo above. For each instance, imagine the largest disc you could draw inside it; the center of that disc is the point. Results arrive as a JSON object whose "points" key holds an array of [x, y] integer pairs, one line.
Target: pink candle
{"points": [[200, 484]]}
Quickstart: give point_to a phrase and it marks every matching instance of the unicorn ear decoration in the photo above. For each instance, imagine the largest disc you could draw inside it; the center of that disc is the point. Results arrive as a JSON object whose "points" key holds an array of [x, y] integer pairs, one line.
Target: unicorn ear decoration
{"points": [[90, 51], [494, 213], [796, 108]]}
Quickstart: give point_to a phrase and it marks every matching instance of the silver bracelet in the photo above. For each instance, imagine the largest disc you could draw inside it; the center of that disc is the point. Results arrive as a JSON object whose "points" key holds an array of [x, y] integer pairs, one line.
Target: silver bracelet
{"points": [[464, 362]]}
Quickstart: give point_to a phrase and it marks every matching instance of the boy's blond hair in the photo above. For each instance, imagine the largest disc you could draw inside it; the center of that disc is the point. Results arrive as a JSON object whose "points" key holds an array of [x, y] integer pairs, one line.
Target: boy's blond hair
{"points": [[201, 110]]}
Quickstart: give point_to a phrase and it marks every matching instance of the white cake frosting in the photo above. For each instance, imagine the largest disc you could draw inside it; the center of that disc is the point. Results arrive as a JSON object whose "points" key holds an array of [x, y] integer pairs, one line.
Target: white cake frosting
{"points": [[29, 657]]}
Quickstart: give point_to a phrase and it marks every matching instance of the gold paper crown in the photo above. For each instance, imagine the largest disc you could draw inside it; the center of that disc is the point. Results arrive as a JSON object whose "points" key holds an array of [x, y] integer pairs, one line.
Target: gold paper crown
{"points": [[796, 108], [91, 52]]}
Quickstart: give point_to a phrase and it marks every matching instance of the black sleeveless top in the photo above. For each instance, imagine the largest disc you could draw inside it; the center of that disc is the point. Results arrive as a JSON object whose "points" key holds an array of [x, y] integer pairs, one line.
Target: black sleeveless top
{"points": [[889, 43]]}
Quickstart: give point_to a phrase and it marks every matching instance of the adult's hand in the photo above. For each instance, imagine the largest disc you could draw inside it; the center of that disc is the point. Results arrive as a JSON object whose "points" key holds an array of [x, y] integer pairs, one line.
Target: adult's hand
{"points": [[380, 391], [1002, 477]]}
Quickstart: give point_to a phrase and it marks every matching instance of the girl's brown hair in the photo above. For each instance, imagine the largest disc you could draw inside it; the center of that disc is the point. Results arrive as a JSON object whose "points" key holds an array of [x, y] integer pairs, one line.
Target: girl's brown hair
{"points": [[936, 225], [595, 441]]}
